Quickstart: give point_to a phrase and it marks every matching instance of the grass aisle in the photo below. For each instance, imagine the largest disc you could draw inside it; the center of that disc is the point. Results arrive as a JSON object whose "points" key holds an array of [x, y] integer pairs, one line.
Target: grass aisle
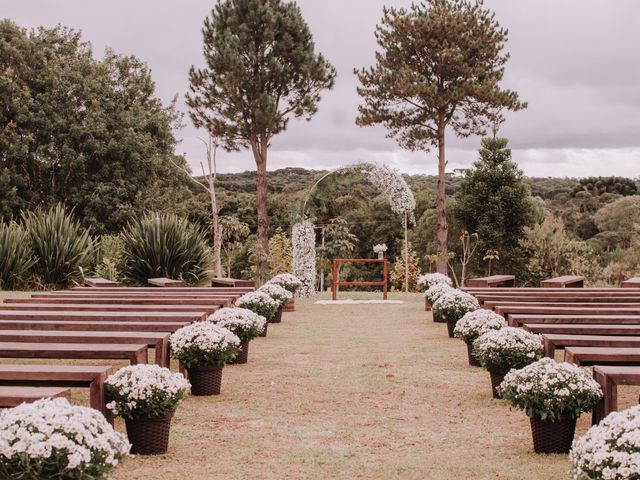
{"points": [[363, 391]]}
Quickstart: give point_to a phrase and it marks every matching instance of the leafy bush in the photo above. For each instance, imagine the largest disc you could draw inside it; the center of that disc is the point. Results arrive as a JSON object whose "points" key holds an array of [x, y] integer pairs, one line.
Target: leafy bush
{"points": [[110, 261], [165, 245], [16, 256], [62, 248]]}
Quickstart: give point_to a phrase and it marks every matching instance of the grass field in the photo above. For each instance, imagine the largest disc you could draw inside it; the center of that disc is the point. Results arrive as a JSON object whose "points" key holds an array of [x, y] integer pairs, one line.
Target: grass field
{"points": [[362, 391]]}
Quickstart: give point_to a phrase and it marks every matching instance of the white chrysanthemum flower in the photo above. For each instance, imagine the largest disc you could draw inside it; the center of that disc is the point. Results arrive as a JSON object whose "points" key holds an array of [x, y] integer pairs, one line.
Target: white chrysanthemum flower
{"points": [[241, 321], [609, 450], [53, 436], [288, 281], [475, 323], [453, 304], [278, 293], [303, 239], [428, 280], [507, 347]]}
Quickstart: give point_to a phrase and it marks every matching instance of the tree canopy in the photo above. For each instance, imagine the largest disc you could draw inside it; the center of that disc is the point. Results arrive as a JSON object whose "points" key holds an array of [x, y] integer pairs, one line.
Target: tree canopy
{"points": [[85, 132]]}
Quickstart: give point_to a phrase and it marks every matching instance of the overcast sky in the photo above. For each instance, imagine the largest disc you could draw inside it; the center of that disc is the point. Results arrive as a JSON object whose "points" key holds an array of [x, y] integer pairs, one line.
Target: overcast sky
{"points": [[576, 62]]}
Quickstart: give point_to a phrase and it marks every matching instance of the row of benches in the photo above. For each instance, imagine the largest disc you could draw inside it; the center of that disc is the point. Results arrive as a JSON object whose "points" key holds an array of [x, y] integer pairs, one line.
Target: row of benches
{"points": [[597, 327], [94, 323]]}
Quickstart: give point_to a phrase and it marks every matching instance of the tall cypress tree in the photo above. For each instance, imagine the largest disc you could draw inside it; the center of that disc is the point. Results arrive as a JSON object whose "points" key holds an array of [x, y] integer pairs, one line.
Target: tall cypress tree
{"points": [[494, 201], [261, 70]]}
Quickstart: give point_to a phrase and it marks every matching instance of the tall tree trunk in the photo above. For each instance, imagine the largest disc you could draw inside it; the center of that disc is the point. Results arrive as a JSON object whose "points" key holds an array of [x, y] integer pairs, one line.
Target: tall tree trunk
{"points": [[259, 149], [442, 228]]}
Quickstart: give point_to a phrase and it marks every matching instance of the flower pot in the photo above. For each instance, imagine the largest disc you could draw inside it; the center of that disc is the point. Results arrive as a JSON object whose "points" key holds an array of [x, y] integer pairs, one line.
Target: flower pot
{"points": [[437, 318], [149, 435], [451, 325], [552, 437], [243, 354], [497, 376], [427, 306], [205, 380], [473, 361], [291, 306], [277, 318], [264, 330]]}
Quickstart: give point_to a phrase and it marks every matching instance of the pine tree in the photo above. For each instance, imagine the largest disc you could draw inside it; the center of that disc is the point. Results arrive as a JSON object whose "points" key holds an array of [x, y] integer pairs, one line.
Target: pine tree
{"points": [[494, 201], [261, 70], [439, 66]]}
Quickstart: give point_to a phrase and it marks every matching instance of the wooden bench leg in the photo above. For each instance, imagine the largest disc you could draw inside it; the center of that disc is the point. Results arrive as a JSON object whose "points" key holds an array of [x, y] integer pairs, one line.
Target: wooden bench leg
{"points": [[162, 353], [140, 357], [98, 397], [549, 349], [609, 401]]}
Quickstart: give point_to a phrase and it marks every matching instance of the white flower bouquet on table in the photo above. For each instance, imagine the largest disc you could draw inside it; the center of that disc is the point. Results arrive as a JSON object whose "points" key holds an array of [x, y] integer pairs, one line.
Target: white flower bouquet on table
{"points": [[380, 248], [259, 302], [550, 390], [609, 450], [244, 323], [507, 348], [145, 391], [278, 293], [428, 280], [476, 323], [287, 281], [203, 344], [52, 439]]}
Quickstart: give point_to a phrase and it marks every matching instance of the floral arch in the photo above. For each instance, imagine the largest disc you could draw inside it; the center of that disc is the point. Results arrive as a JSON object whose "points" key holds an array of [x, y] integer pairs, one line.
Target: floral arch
{"points": [[386, 179]]}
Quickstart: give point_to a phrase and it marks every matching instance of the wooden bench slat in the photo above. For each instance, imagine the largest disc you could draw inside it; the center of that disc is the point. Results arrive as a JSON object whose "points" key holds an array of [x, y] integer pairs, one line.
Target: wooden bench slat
{"points": [[575, 281], [99, 282], [14, 396], [165, 282], [103, 316], [134, 353], [492, 281], [82, 306], [553, 341], [601, 355], [581, 329], [68, 325]]}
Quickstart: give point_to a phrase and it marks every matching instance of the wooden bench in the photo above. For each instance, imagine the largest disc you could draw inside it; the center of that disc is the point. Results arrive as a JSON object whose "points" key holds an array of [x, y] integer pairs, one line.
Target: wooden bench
{"points": [[602, 355], [231, 282], [165, 282], [85, 376], [553, 341], [609, 377], [577, 329], [565, 281], [516, 320], [83, 306], [493, 281], [46, 315], [492, 305], [205, 301], [631, 283], [524, 309], [159, 341], [99, 282], [172, 290], [83, 326], [13, 396], [134, 353]]}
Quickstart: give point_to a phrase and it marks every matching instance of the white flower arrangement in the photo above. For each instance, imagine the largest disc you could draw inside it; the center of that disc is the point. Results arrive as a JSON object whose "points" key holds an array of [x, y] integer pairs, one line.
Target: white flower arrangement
{"points": [[303, 239], [203, 344], [380, 248], [508, 347], [52, 439], [145, 390], [428, 280], [278, 293], [549, 390], [259, 302], [288, 281], [434, 292], [246, 324], [609, 450], [452, 305], [476, 323], [389, 181]]}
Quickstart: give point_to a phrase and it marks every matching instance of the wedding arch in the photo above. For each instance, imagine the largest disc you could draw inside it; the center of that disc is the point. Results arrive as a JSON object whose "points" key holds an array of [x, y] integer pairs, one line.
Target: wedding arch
{"points": [[387, 180]]}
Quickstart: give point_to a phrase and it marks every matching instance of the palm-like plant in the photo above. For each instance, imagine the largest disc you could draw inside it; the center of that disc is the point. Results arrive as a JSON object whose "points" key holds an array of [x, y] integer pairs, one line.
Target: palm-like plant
{"points": [[165, 245], [61, 247], [16, 256]]}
